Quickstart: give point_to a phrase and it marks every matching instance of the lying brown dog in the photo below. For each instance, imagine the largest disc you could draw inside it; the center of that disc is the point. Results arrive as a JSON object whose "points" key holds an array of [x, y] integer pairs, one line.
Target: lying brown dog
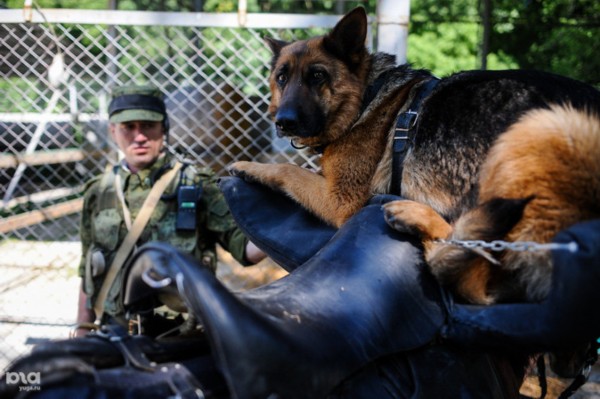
{"points": [[330, 94], [541, 176]]}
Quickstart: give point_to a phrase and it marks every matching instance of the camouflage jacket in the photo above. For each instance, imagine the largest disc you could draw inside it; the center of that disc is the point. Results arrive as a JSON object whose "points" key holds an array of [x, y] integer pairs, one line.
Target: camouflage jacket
{"points": [[103, 227]]}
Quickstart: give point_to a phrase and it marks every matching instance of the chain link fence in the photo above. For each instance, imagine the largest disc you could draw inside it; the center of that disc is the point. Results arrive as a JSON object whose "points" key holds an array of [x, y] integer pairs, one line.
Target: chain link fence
{"points": [[56, 79], [56, 74]]}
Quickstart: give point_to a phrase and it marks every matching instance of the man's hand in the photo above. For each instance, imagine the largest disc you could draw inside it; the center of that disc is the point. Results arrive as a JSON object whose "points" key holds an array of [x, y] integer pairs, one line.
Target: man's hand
{"points": [[85, 316]]}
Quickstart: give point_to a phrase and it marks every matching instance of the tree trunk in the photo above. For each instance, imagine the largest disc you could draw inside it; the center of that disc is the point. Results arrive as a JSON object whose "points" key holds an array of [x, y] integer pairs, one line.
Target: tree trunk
{"points": [[486, 22]]}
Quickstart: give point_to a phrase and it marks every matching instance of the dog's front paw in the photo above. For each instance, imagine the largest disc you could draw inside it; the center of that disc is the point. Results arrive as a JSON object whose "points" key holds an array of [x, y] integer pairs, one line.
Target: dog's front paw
{"points": [[415, 218], [255, 172], [394, 213], [238, 169], [252, 172]]}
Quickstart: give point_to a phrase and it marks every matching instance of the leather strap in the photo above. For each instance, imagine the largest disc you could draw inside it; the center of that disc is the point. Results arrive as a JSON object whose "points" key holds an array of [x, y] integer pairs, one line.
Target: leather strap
{"points": [[132, 236], [406, 127], [119, 191]]}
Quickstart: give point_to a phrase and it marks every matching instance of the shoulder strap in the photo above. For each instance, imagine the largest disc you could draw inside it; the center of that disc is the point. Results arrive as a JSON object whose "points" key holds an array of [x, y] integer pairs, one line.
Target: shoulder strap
{"points": [[132, 236], [406, 127], [119, 191], [106, 179]]}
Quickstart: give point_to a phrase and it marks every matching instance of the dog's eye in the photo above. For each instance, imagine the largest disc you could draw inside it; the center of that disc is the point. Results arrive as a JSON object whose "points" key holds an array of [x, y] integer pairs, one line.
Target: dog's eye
{"points": [[281, 79], [317, 77]]}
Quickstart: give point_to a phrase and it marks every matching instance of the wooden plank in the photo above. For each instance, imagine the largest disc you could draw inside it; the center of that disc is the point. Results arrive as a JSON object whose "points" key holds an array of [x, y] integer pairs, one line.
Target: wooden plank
{"points": [[41, 158], [38, 216], [42, 196], [35, 117]]}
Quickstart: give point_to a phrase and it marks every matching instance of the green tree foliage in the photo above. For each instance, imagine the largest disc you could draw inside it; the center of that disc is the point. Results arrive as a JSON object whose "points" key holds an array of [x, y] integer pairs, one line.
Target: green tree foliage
{"points": [[559, 36], [445, 35], [88, 4]]}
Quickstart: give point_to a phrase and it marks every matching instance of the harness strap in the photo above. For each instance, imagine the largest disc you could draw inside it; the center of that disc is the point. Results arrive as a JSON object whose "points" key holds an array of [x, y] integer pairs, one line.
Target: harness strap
{"points": [[582, 377], [406, 128], [541, 371], [132, 236]]}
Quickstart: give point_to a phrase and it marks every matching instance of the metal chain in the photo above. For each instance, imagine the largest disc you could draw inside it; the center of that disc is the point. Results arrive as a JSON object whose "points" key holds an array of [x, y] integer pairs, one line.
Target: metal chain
{"points": [[519, 246]]}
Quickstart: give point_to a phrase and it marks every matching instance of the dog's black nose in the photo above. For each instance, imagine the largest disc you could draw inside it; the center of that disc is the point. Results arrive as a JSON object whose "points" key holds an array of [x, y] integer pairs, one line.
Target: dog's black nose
{"points": [[286, 121]]}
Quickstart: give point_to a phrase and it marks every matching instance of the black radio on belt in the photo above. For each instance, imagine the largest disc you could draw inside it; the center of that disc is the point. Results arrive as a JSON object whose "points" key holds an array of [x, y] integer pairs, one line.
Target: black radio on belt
{"points": [[187, 201]]}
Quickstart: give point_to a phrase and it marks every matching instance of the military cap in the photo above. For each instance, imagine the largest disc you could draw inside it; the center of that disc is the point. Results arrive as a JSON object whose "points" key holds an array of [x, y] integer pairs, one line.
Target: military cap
{"points": [[136, 103]]}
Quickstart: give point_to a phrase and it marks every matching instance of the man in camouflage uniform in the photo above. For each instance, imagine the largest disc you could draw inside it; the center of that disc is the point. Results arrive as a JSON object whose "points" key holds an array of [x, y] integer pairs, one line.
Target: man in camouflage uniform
{"points": [[139, 126]]}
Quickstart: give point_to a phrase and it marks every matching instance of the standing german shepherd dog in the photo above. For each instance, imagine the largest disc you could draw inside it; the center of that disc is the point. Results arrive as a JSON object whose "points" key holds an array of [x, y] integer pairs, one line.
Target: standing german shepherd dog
{"points": [[511, 155]]}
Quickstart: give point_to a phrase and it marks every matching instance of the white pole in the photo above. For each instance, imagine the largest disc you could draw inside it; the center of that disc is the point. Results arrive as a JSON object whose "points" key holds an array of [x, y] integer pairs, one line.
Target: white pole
{"points": [[242, 12], [35, 139], [392, 27]]}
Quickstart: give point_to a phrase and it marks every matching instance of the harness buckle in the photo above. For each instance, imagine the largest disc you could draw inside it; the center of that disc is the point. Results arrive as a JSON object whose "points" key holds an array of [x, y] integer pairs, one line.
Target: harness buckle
{"points": [[401, 134], [406, 121]]}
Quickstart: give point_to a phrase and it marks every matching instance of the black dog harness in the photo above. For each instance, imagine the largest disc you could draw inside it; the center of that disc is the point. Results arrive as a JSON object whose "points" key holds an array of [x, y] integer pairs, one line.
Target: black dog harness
{"points": [[406, 128]]}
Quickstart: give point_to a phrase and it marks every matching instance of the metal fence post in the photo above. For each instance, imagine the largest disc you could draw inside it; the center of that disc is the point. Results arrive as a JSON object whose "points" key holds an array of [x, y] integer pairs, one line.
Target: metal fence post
{"points": [[392, 27]]}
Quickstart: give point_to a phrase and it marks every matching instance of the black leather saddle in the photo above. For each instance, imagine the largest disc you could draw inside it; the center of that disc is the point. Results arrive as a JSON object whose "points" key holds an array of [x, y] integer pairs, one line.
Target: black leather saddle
{"points": [[359, 316], [359, 309]]}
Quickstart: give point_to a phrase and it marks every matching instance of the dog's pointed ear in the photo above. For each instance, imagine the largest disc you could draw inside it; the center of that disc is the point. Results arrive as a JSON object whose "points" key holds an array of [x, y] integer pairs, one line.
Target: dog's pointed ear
{"points": [[500, 215], [347, 39], [275, 45]]}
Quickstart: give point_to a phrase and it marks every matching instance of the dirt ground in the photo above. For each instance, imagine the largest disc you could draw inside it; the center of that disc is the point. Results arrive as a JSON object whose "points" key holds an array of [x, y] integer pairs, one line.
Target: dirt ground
{"points": [[590, 390]]}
